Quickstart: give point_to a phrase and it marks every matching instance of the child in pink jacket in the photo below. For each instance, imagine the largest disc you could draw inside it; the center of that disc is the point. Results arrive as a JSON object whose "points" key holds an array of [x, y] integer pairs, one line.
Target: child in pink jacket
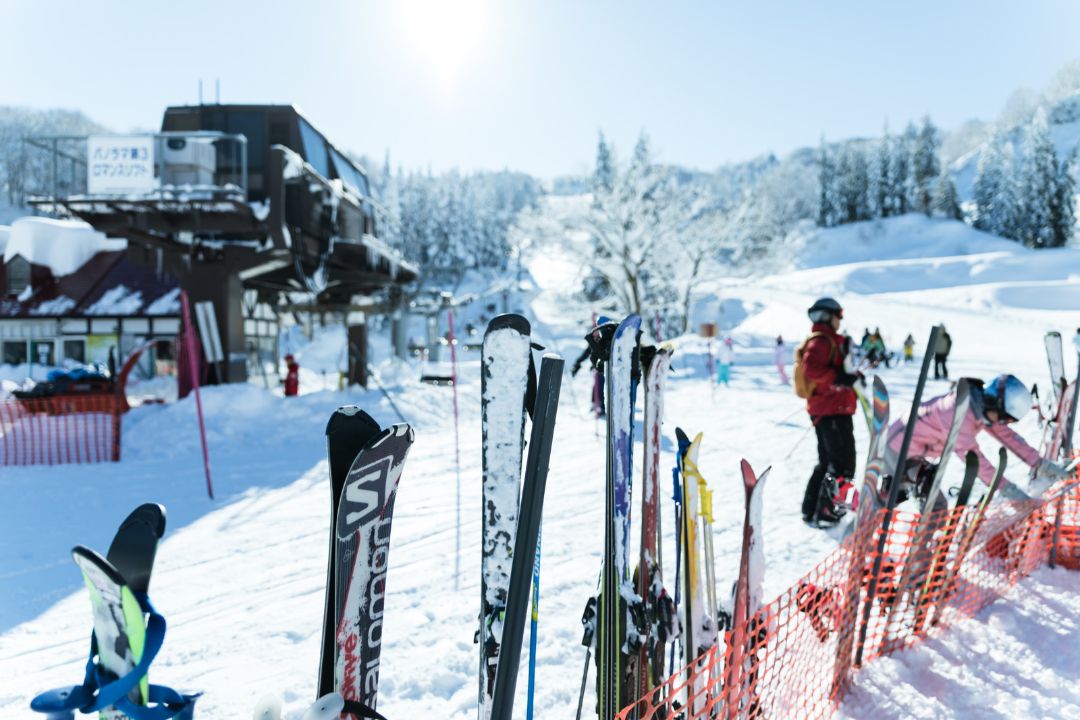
{"points": [[992, 409]]}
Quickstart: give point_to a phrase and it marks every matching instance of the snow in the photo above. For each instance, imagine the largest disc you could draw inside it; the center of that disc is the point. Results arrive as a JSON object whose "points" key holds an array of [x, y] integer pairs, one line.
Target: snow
{"points": [[167, 304], [117, 301], [241, 578], [63, 246], [1017, 658]]}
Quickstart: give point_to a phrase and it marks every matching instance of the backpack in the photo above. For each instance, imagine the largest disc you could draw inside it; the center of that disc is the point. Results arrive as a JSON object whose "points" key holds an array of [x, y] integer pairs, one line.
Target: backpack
{"points": [[804, 388]]}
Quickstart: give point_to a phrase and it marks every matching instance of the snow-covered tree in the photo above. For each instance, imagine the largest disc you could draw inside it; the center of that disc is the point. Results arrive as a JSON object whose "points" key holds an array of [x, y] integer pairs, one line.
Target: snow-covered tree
{"points": [[1064, 207], [946, 202], [883, 185], [924, 164], [996, 203], [828, 206], [853, 179], [901, 172], [604, 174], [1038, 185]]}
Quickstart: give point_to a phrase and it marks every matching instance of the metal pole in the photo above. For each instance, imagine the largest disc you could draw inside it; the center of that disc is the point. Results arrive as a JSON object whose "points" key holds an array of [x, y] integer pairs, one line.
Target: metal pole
{"points": [[457, 454], [193, 362]]}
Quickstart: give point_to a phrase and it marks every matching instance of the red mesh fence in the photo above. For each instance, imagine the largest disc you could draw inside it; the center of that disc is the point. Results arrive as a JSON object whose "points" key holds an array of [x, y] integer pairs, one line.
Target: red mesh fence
{"points": [[798, 653], [60, 429]]}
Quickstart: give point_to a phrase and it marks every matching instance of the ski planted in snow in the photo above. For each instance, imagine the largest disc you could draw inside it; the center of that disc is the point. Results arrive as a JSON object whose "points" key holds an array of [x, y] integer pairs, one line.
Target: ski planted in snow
{"points": [[527, 534], [128, 632], [361, 538], [349, 430], [658, 608], [894, 493], [617, 637], [749, 596], [505, 361]]}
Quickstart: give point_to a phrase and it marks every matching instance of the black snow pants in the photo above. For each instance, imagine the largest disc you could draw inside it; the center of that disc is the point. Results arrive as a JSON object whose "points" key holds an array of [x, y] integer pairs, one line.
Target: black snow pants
{"points": [[836, 456]]}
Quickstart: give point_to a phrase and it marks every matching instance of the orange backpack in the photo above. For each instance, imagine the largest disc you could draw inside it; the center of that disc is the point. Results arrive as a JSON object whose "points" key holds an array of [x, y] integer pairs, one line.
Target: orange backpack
{"points": [[804, 388]]}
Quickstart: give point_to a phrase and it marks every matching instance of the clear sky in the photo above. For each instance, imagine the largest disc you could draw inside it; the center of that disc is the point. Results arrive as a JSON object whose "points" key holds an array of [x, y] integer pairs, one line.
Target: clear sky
{"points": [[526, 84]]}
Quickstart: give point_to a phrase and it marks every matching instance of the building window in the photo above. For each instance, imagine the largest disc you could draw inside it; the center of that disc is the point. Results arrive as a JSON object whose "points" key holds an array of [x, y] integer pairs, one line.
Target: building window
{"points": [[41, 351], [75, 351], [18, 275], [14, 352]]}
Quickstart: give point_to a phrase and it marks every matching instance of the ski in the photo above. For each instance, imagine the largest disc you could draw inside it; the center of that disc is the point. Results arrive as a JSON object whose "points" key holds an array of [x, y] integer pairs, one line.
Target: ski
{"points": [[128, 632], [927, 597], [347, 432], [361, 534], [616, 639], [505, 361], [871, 500], [683, 444], [749, 597], [894, 490], [527, 535], [967, 537], [932, 508], [649, 668], [699, 611], [1055, 359]]}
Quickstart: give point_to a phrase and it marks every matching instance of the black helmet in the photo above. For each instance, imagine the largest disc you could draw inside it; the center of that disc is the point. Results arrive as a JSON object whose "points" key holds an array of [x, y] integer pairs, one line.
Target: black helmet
{"points": [[824, 309]]}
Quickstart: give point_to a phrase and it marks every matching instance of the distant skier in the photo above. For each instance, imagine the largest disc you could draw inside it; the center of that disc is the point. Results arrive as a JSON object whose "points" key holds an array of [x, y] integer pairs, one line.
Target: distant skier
{"points": [[598, 368], [292, 376], [992, 408], [821, 379], [909, 349], [780, 357], [941, 354], [726, 356]]}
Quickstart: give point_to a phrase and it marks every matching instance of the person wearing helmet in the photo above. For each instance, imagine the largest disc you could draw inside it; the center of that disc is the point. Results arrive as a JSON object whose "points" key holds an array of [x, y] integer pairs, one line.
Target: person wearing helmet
{"points": [[991, 409], [831, 403]]}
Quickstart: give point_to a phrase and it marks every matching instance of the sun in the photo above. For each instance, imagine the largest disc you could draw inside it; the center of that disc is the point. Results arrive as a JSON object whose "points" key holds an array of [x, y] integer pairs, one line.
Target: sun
{"points": [[444, 36]]}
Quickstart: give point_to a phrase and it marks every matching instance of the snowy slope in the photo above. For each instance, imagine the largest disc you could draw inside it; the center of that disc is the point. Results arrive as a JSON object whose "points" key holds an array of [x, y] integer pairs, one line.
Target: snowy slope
{"points": [[241, 578]]}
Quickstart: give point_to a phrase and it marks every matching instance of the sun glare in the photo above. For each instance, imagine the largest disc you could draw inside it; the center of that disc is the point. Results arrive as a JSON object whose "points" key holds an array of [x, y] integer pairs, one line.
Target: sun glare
{"points": [[445, 36]]}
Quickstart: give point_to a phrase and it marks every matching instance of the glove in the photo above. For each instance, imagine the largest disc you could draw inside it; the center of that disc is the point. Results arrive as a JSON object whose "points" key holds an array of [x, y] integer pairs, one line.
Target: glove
{"points": [[1051, 470]]}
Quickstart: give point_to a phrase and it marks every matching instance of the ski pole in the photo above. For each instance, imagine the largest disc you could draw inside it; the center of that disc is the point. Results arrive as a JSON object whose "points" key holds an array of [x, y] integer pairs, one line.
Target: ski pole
{"points": [[584, 680], [533, 629], [457, 453], [193, 364]]}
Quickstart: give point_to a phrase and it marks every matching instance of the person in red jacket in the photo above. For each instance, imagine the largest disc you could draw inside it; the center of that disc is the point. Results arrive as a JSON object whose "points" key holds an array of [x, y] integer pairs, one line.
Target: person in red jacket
{"points": [[830, 405], [292, 377]]}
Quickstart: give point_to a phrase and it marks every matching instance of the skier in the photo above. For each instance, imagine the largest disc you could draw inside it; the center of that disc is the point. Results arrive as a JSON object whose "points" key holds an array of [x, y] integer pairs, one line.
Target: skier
{"points": [[991, 408], [780, 356], [909, 349], [941, 354], [292, 376], [598, 371], [727, 359], [820, 377]]}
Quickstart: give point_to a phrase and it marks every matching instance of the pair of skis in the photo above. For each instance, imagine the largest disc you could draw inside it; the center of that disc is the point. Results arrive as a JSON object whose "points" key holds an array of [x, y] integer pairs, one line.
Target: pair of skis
{"points": [[366, 463], [128, 631], [511, 529]]}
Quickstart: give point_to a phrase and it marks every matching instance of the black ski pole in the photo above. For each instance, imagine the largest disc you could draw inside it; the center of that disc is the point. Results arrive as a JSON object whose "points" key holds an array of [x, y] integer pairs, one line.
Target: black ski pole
{"points": [[532, 504], [894, 493]]}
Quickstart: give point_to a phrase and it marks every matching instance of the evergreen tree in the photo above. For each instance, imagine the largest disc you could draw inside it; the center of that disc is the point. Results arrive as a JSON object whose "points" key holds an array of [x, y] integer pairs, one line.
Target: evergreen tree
{"points": [[604, 174], [1038, 185], [827, 207], [1064, 207], [996, 204], [883, 185], [924, 164], [946, 202], [853, 180], [900, 171]]}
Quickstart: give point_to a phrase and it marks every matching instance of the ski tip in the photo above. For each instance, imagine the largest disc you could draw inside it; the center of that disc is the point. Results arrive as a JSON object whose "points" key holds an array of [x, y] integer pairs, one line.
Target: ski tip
{"points": [[151, 515], [84, 556], [349, 417], [511, 321], [268, 708], [681, 436]]}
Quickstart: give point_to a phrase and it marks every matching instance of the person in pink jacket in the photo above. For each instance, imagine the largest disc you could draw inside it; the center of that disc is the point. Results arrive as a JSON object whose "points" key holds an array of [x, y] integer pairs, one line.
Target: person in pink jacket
{"points": [[992, 409]]}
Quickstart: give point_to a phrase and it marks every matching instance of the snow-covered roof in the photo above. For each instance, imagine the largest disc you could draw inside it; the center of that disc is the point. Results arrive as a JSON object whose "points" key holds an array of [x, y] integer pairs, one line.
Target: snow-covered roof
{"points": [[63, 246]]}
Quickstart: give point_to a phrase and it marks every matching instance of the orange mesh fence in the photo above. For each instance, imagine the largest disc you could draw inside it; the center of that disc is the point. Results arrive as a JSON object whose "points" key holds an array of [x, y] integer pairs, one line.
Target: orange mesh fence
{"points": [[797, 654], [59, 430]]}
